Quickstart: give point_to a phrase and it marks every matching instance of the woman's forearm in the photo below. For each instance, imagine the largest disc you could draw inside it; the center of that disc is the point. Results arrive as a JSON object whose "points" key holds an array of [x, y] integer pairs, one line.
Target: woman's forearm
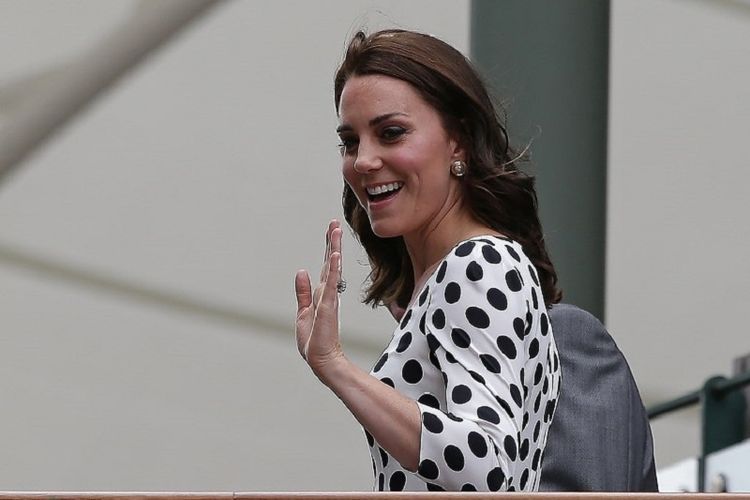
{"points": [[390, 417]]}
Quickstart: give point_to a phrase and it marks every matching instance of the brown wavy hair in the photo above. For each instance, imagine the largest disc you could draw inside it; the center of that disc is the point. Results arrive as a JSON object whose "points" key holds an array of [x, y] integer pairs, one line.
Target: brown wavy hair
{"points": [[496, 192]]}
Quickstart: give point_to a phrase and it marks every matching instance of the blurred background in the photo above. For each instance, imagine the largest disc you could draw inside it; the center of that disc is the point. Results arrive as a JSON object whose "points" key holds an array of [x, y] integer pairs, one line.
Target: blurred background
{"points": [[166, 166]]}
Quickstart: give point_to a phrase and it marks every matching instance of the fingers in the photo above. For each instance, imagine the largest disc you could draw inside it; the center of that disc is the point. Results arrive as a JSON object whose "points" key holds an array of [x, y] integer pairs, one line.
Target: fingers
{"points": [[331, 240], [303, 290], [327, 255], [330, 294]]}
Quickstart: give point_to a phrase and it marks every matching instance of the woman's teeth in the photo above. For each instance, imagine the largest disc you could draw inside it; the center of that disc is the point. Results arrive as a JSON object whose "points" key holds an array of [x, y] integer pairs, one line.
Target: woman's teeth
{"points": [[385, 188]]}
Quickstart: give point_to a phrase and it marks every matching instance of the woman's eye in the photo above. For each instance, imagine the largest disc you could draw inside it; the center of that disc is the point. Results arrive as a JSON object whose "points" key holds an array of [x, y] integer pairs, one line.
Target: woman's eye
{"points": [[347, 145], [392, 133]]}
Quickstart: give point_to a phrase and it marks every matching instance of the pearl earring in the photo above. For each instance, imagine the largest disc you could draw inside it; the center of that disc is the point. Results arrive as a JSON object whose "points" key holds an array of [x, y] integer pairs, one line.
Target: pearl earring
{"points": [[458, 168]]}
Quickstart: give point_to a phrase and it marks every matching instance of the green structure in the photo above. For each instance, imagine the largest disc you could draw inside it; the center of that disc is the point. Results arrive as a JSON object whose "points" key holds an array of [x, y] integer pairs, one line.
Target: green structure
{"points": [[547, 62]]}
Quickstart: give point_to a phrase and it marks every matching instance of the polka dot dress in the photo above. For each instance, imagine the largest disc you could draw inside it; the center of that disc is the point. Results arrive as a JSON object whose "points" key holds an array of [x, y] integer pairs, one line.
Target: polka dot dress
{"points": [[475, 350]]}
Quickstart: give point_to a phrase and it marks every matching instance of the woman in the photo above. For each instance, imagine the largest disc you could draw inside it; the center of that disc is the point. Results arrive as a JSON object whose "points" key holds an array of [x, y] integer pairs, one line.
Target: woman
{"points": [[463, 396]]}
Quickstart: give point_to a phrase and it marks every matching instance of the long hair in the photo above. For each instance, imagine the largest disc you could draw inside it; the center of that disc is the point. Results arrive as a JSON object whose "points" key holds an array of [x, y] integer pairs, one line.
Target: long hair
{"points": [[496, 192]]}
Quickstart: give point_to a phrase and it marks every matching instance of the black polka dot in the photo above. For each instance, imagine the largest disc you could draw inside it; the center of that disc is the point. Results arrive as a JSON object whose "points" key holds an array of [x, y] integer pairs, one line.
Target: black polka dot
{"points": [[507, 346], [477, 444], [513, 253], [532, 272], [370, 439], [405, 319], [549, 410], [450, 358], [525, 420], [495, 479], [513, 280], [461, 394], [488, 414], [476, 376], [468, 487], [460, 338], [537, 428], [533, 348], [465, 248], [524, 478], [397, 481], [423, 295], [429, 469], [534, 298], [380, 362], [538, 373], [441, 272], [434, 487], [505, 406], [453, 457], [515, 393], [429, 400], [404, 342], [497, 299], [432, 423], [455, 418], [529, 322], [490, 362], [523, 451], [477, 317], [452, 292], [434, 360], [519, 327], [544, 324], [509, 444], [438, 319], [474, 271], [432, 342], [381, 482], [545, 387], [383, 456], [421, 322], [535, 460], [387, 381], [490, 254], [412, 371]]}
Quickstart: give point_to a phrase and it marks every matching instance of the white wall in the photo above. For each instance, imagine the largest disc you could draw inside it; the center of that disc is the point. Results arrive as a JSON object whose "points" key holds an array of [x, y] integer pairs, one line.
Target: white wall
{"points": [[209, 172], [678, 238]]}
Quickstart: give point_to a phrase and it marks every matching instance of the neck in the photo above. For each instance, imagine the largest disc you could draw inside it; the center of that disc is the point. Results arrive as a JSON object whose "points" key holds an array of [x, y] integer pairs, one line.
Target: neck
{"points": [[429, 245]]}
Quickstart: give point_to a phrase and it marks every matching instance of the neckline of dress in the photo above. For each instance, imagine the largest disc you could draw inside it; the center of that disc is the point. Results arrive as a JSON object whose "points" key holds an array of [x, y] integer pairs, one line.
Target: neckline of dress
{"points": [[437, 264]]}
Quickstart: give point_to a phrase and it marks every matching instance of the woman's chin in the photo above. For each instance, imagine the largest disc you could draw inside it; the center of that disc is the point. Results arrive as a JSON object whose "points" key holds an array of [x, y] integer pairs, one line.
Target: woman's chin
{"points": [[385, 230]]}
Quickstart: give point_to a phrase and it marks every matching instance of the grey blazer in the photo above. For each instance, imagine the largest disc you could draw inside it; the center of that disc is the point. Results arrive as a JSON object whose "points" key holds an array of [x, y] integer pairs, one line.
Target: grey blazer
{"points": [[600, 438]]}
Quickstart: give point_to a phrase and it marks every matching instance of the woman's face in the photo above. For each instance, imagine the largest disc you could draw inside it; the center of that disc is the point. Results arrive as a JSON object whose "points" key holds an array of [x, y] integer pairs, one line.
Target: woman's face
{"points": [[396, 155]]}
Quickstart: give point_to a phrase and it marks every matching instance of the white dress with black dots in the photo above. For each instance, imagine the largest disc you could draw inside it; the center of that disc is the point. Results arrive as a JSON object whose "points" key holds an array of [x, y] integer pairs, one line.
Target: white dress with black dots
{"points": [[476, 352]]}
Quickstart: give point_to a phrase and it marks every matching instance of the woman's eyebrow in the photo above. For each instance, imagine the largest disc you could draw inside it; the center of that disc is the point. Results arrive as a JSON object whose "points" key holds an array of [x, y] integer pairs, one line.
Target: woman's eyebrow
{"points": [[378, 119]]}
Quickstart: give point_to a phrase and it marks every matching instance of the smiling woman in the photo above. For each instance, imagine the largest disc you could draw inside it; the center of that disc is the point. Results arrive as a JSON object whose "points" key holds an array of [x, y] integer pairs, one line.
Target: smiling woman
{"points": [[463, 396]]}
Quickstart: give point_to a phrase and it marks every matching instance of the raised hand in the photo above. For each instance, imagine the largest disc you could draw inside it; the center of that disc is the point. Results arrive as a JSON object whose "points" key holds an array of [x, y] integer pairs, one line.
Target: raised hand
{"points": [[317, 324]]}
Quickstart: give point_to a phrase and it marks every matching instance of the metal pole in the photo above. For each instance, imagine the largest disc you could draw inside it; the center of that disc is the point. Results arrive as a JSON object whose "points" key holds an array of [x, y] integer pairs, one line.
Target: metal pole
{"points": [[549, 61]]}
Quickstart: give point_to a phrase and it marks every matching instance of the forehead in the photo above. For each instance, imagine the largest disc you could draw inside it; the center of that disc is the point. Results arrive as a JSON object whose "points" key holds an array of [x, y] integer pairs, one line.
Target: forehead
{"points": [[376, 94]]}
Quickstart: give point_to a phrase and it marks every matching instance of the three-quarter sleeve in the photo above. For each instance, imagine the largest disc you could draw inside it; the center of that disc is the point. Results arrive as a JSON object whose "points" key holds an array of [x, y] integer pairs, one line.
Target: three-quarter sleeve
{"points": [[488, 334]]}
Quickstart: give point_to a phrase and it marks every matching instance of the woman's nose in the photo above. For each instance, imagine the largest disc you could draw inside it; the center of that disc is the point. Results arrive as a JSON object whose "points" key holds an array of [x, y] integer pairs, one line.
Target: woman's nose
{"points": [[367, 159]]}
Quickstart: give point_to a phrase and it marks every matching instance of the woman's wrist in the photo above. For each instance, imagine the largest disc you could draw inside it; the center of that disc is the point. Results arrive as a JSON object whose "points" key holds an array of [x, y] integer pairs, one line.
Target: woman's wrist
{"points": [[332, 370]]}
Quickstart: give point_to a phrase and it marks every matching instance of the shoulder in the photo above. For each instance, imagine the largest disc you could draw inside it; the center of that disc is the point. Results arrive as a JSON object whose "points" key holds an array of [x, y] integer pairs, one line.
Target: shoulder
{"points": [[484, 279], [487, 261]]}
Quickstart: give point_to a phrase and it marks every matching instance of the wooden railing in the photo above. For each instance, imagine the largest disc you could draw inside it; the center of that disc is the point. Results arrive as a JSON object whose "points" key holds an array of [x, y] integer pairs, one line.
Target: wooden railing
{"points": [[356, 495]]}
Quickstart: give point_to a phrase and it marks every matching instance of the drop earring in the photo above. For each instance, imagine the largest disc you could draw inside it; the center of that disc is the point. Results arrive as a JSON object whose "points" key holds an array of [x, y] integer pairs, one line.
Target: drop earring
{"points": [[458, 168]]}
